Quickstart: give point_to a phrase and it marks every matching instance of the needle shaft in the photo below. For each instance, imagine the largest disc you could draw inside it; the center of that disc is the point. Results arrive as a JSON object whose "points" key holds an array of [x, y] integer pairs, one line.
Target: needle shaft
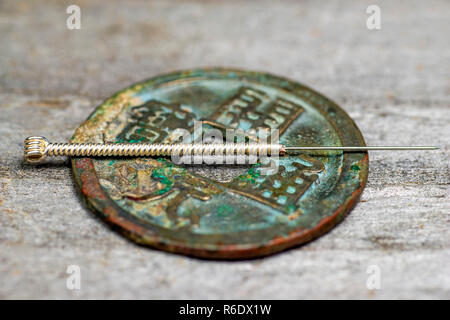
{"points": [[361, 148]]}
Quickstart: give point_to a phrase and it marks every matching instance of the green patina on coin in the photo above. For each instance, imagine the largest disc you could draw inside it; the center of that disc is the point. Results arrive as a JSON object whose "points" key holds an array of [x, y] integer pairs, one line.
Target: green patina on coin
{"points": [[221, 211]]}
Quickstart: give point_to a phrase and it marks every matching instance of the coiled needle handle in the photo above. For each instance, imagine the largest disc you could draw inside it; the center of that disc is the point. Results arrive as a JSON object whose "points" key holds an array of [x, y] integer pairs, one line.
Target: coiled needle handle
{"points": [[37, 148]]}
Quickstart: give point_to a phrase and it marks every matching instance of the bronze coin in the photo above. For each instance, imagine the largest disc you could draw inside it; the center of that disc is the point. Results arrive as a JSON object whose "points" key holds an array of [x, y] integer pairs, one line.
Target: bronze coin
{"points": [[221, 211]]}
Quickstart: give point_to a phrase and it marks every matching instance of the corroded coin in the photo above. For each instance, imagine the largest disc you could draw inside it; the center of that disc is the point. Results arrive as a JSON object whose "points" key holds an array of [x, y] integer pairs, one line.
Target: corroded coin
{"points": [[221, 211]]}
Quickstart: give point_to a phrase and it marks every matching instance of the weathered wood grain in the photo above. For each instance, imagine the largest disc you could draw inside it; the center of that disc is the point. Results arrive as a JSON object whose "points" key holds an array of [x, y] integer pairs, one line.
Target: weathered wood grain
{"points": [[393, 82]]}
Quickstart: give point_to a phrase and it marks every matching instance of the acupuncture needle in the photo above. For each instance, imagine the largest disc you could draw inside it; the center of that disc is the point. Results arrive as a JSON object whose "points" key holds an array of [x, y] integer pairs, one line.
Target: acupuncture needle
{"points": [[37, 148]]}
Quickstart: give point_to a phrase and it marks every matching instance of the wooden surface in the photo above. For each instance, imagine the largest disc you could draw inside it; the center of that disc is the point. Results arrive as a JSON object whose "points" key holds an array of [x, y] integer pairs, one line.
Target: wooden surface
{"points": [[393, 82]]}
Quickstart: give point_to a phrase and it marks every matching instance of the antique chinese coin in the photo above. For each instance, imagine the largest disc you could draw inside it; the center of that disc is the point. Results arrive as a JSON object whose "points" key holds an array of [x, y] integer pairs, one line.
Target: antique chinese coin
{"points": [[221, 211]]}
